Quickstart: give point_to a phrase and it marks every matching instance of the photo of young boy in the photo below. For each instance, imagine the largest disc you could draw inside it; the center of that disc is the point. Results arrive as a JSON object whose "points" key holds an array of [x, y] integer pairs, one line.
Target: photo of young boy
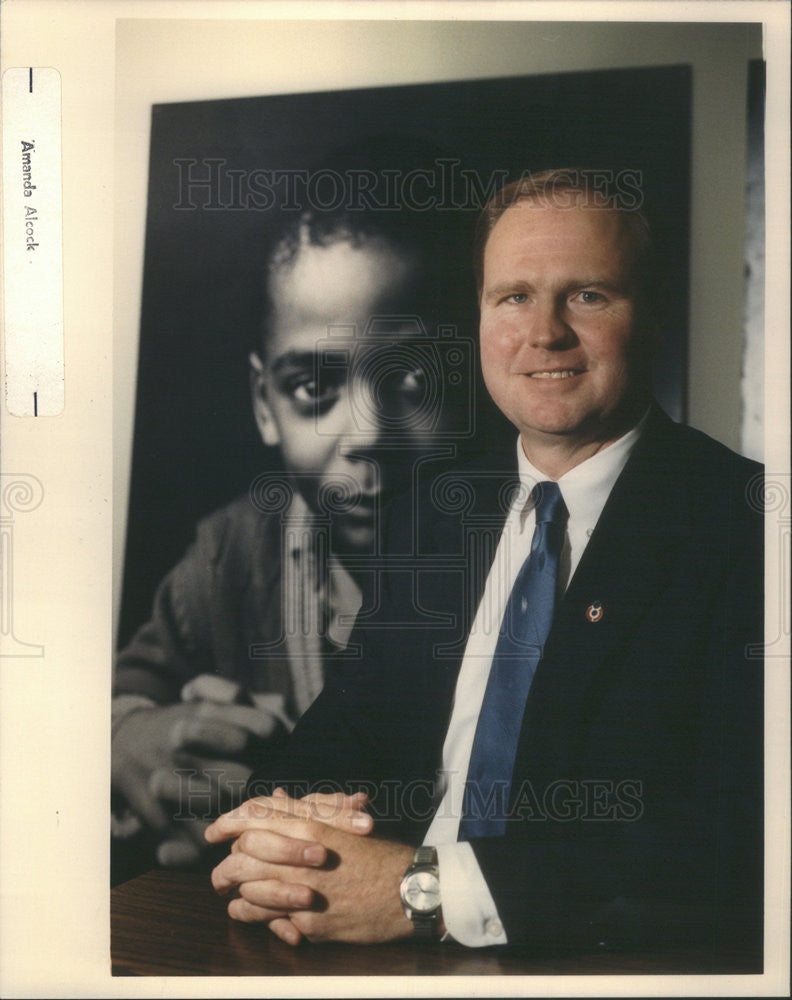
{"points": [[361, 370]]}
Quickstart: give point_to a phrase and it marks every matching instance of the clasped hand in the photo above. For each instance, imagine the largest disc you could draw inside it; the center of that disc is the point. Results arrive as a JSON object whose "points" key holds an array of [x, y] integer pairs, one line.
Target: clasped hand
{"points": [[308, 868]]}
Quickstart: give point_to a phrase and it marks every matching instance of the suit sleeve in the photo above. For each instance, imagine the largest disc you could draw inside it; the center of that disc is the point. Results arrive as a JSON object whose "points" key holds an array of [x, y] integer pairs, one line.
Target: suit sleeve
{"points": [[341, 743], [374, 727]]}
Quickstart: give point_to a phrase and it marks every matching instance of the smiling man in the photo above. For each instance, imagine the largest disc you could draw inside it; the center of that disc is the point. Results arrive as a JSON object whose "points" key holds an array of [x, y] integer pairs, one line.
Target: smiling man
{"points": [[554, 710], [565, 354]]}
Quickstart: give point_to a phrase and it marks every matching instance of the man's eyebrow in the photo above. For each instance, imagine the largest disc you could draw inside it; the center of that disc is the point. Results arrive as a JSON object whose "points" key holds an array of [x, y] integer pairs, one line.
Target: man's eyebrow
{"points": [[614, 288], [507, 288], [608, 283]]}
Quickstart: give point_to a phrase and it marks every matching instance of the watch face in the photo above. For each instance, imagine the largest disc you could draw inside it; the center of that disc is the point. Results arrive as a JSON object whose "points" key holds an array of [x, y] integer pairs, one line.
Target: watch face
{"points": [[421, 892]]}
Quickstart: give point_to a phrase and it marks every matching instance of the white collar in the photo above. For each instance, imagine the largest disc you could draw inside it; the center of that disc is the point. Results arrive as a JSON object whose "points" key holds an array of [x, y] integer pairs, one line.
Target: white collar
{"points": [[585, 487]]}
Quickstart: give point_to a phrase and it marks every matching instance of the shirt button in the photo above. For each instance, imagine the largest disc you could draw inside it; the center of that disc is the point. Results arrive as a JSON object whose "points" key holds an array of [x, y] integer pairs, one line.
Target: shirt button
{"points": [[494, 927]]}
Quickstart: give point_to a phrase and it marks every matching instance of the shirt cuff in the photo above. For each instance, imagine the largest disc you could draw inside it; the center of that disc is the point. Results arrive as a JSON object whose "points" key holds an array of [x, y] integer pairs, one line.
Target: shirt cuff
{"points": [[469, 911]]}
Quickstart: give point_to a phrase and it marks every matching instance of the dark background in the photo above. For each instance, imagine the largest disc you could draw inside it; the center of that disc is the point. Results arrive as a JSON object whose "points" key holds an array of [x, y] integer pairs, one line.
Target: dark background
{"points": [[195, 444]]}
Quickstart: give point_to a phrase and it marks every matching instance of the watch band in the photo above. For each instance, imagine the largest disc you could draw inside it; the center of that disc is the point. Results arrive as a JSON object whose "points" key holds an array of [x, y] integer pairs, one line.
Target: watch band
{"points": [[424, 924], [425, 856], [425, 927]]}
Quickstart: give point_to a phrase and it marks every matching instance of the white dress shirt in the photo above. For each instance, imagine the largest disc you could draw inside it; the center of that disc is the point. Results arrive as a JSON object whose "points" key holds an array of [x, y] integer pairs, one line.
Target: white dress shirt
{"points": [[468, 908]]}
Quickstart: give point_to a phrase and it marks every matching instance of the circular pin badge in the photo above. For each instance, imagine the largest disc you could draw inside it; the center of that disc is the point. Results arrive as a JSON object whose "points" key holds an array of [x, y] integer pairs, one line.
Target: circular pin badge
{"points": [[594, 612]]}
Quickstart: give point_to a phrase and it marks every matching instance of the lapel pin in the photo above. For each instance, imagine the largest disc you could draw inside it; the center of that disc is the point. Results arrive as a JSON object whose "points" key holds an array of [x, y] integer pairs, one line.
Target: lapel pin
{"points": [[594, 612]]}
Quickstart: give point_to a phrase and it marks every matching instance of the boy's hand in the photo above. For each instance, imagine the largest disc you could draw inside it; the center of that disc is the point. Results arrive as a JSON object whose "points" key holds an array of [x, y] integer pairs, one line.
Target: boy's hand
{"points": [[180, 765]]}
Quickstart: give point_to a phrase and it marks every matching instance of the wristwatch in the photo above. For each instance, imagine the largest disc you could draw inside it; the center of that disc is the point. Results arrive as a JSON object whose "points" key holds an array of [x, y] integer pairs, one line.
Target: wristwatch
{"points": [[420, 893]]}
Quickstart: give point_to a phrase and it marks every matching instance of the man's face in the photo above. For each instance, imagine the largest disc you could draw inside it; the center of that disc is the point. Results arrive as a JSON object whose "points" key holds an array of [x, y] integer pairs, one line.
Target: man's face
{"points": [[346, 400], [560, 353]]}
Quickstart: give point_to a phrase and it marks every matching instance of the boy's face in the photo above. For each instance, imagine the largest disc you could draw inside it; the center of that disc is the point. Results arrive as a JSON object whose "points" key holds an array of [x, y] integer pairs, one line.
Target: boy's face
{"points": [[343, 388]]}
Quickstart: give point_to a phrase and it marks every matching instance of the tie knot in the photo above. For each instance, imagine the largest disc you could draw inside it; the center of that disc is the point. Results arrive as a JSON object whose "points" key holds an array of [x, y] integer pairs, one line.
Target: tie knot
{"points": [[549, 503]]}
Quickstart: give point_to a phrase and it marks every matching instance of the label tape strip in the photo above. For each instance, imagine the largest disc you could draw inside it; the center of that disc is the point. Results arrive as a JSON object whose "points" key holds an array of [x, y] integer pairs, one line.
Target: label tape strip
{"points": [[33, 242]]}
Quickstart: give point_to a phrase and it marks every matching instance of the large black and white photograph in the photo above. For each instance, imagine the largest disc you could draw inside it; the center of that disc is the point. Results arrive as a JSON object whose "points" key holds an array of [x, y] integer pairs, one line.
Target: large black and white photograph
{"points": [[444, 618]]}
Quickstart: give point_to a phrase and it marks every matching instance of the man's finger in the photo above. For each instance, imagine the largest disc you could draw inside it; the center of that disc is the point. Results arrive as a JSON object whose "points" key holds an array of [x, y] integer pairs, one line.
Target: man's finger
{"points": [[275, 887], [232, 823], [355, 802], [277, 896], [256, 851], [241, 909], [344, 812], [252, 813], [284, 929], [337, 814]]}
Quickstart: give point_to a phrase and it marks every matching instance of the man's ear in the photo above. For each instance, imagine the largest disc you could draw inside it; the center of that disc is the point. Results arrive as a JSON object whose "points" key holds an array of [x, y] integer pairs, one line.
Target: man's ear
{"points": [[265, 421]]}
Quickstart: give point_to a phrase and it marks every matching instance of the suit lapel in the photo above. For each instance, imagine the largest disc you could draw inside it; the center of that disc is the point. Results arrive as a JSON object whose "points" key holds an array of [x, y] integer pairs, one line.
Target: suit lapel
{"points": [[636, 547], [644, 529]]}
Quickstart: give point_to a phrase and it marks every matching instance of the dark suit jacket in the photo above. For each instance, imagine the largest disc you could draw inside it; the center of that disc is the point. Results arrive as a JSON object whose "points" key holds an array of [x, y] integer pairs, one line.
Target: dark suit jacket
{"points": [[637, 790]]}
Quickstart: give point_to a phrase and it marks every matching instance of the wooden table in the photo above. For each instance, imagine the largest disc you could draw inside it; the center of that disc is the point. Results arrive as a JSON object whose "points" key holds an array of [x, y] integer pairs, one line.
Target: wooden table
{"points": [[173, 924]]}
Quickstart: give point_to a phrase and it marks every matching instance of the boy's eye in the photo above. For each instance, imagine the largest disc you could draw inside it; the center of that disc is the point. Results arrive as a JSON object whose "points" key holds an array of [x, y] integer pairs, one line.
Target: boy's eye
{"points": [[311, 394], [306, 392], [517, 298]]}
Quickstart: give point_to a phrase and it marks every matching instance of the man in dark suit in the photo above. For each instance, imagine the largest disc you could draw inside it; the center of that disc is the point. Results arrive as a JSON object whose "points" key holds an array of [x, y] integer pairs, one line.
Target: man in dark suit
{"points": [[592, 781]]}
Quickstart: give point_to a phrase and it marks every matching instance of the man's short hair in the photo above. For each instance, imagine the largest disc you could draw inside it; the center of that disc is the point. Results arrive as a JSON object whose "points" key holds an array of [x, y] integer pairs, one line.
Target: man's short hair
{"points": [[594, 189]]}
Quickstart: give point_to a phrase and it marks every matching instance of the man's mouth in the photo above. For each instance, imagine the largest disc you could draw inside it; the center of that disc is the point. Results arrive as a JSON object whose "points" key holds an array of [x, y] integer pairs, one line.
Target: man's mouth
{"points": [[556, 373]]}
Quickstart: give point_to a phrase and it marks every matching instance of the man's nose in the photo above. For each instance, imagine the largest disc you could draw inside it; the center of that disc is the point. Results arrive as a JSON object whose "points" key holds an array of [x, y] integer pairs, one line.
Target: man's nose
{"points": [[548, 327]]}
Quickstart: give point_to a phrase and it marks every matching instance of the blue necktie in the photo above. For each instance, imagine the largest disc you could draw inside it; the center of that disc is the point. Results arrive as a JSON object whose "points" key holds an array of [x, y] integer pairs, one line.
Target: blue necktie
{"points": [[526, 623]]}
